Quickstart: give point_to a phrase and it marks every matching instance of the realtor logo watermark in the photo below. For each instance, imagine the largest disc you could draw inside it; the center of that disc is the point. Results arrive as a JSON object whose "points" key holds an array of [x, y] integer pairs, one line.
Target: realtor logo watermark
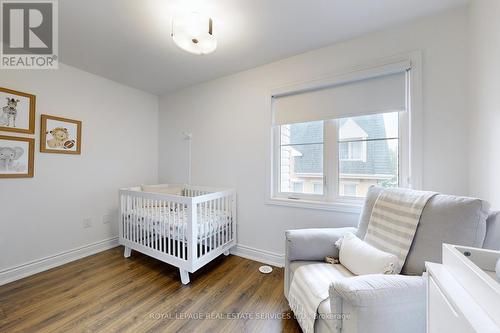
{"points": [[29, 34]]}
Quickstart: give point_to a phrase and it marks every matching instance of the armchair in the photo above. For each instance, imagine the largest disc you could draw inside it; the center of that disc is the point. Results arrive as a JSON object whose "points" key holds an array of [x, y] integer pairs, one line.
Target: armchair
{"points": [[388, 303]]}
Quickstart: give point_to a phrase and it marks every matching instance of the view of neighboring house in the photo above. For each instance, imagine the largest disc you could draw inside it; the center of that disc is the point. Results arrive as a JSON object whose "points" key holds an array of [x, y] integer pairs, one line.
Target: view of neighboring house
{"points": [[366, 156]]}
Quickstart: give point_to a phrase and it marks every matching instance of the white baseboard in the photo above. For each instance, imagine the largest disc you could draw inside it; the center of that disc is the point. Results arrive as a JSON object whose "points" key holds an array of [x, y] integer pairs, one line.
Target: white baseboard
{"points": [[40, 265], [266, 257], [18, 272]]}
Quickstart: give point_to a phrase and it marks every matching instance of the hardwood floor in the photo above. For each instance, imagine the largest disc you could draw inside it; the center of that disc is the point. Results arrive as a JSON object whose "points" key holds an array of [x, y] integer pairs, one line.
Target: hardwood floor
{"points": [[108, 293]]}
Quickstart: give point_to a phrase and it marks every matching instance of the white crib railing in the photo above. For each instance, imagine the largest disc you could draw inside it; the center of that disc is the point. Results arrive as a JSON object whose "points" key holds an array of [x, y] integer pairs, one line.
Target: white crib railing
{"points": [[186, 231], [223, 232]]}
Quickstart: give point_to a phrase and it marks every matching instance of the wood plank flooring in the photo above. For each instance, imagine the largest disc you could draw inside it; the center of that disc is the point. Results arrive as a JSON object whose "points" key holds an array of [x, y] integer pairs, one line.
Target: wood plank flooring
{"points": [[108, 293]]}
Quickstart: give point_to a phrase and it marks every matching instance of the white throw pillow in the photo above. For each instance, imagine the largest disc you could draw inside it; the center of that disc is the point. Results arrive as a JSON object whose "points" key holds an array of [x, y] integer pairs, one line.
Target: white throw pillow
{"points": [[361, 258], [172, 190]]}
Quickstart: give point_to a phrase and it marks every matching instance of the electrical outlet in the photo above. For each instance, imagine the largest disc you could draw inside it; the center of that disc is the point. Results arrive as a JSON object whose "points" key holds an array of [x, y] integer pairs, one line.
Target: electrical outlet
{"points": [[87, 223], [106, 219]]}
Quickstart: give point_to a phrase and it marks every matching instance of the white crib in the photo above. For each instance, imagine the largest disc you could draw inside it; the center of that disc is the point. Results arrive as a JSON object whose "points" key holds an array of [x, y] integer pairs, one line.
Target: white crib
{"points": [[187, 231]]}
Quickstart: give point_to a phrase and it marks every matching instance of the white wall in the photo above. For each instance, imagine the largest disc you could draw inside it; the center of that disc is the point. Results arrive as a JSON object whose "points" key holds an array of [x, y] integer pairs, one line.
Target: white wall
{"points": [[485, 88], [43, 216], [231, 125]]}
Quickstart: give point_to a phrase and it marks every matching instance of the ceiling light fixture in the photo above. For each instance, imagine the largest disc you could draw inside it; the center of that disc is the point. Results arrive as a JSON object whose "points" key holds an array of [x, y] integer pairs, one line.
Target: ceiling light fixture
{"points": [[194, 34]]}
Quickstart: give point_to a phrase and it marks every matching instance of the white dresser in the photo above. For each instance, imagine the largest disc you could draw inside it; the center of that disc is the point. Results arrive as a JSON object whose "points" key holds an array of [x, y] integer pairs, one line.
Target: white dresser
{"points": [[463, 294]]}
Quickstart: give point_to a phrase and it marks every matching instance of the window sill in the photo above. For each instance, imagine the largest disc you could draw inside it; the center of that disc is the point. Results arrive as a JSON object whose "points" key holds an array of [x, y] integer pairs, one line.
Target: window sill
{"points": [[344, 207]]}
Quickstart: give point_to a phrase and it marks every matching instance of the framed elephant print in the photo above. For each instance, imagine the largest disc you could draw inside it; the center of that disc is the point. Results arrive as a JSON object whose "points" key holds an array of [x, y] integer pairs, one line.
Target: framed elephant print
{"points": [[17, 156], [60, 135], [17, 111]]}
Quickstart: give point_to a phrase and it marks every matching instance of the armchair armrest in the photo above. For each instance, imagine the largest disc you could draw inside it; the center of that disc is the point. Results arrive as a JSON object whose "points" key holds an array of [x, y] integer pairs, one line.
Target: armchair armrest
{"points": [[374, 289], [313, 244], [379, 303], [310, 244]]}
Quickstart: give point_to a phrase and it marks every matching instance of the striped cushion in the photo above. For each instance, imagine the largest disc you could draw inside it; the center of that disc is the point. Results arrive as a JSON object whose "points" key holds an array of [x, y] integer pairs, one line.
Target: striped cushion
{"points": [[394, 221]]}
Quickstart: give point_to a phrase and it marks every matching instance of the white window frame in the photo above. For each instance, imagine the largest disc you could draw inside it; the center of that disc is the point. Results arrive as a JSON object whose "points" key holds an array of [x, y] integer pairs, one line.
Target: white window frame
{"points": [[410, 139]]}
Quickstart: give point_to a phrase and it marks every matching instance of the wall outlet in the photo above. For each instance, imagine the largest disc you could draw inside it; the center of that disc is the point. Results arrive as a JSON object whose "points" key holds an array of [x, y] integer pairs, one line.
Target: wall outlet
{"points": [[106, 219], [87, 223]]}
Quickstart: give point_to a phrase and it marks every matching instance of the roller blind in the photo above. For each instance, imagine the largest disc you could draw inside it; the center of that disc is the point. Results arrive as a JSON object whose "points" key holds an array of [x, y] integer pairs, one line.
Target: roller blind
{"points": [[385, 93]]}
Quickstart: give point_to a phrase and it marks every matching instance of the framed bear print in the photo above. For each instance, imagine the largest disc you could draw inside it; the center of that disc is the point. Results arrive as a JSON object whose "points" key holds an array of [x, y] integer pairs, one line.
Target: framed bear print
{"points": [[60, 135], [17, 156], [17, 111]]}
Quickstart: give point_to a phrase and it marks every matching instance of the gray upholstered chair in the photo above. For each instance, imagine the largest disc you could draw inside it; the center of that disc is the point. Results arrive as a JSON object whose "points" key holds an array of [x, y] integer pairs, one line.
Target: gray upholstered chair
{"points": [[390, 303]]}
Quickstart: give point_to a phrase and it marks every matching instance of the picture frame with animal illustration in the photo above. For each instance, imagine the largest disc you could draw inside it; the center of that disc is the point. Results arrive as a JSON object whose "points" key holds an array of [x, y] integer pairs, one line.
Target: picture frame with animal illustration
{"points": [[17, 111], [60, 135], [17, 157]]}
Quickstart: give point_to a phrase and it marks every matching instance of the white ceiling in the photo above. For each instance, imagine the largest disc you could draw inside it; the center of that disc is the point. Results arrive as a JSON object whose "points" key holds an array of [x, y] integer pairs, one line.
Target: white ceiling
{"points": [[129, 40]]}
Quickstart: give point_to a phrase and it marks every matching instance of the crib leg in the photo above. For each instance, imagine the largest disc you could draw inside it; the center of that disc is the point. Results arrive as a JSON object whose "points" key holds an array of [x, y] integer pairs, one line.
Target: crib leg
{"points": [[226, 253], [184, 276], [127, 252]]}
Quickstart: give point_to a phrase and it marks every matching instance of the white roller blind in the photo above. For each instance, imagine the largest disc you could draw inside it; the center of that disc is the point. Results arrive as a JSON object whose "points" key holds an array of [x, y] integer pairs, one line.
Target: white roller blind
{"points": [[379, 94]]}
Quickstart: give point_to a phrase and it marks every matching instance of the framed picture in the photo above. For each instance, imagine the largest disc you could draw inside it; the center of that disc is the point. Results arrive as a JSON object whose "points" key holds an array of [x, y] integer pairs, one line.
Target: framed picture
{"points": [[17, 111], [17, 156], [60, 135]]}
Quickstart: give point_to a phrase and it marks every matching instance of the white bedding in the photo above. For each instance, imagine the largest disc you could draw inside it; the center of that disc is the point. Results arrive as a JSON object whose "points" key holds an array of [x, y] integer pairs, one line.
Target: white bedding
{"points": [[173, 224]]}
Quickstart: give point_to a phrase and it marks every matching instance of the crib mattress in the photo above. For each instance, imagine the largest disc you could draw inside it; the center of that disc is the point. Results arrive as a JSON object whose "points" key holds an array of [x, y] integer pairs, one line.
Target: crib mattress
{"points": [[174, 224]]}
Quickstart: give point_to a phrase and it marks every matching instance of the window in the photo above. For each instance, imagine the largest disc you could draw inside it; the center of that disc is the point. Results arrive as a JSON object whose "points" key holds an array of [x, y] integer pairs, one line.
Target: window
{"points": [[298, 187], [349, 189], [301, 150], [368, 154], [372, 159], [353, 151], [354, 147], [318, 188], [329, 149]]}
